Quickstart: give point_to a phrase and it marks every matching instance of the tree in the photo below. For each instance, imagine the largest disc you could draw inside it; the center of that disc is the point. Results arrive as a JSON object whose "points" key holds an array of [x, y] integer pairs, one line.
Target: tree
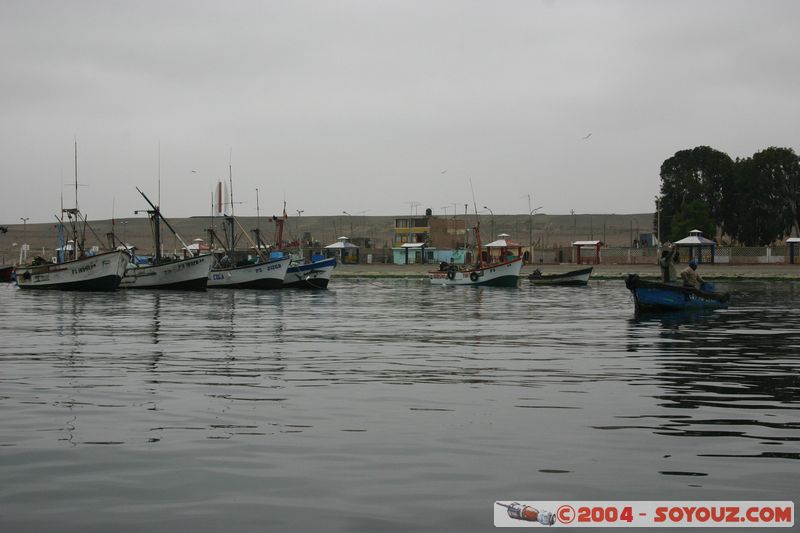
{"points": [[757, 206], [779, 170], [694, 214], [700, 173]]}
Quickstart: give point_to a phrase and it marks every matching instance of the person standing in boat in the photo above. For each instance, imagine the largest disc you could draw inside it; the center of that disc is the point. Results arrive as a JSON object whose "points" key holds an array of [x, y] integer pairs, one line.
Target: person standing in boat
{"points": [[690, 276], [667, 263]]}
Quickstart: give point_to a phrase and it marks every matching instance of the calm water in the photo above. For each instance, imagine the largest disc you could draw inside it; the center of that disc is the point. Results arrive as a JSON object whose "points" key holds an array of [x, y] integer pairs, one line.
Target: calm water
{"points": [[385, 405]]}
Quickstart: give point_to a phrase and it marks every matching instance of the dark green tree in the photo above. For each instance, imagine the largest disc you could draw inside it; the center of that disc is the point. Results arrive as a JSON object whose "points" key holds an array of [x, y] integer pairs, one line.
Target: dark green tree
{"points": [[694, 214], [699, 173], [779, 170], [757, 203]]}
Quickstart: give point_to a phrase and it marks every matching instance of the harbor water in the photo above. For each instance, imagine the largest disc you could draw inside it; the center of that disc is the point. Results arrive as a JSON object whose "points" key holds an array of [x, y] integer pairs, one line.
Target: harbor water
{"points": [[385, 405]]}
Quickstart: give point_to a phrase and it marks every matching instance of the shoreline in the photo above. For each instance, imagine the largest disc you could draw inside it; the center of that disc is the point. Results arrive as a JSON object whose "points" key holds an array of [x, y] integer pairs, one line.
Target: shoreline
{"points": [[716, 272]]}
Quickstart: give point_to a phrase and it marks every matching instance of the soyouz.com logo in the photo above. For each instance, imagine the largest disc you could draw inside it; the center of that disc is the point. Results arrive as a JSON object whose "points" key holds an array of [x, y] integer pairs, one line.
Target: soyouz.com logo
{"points": [[753, 514]]}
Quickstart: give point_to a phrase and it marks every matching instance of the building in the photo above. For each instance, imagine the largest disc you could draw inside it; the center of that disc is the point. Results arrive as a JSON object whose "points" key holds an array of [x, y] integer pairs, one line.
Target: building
{"points": [[428, 239]]}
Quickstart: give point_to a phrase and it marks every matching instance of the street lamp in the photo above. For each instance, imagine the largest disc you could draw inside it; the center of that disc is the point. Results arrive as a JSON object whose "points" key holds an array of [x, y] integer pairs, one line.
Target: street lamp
{"points": [[124, 225], [300, 211], [351, 222], [492, 213], [24, 226]]}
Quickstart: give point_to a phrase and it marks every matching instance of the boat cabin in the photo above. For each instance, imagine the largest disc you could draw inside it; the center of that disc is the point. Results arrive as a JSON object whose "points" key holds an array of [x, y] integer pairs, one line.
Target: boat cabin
{"points": [[502, 250]]}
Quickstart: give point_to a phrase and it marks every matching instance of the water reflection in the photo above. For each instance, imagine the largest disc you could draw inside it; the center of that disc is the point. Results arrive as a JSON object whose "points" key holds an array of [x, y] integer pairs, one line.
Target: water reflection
{"points": [[729, 374], [398, 391]]}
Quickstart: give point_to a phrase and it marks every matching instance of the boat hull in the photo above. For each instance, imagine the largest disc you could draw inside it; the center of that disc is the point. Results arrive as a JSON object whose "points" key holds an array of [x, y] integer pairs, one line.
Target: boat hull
{"points": [[101, 272], [6, 272], [186, 274], [653, 297], [574, 278], [261, 276], [312, 276], [499, 275]]}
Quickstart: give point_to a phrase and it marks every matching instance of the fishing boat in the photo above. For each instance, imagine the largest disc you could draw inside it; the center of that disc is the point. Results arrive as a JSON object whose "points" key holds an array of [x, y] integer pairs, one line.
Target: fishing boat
{"points": [[652, 296], [188, 273], [313, 275], [85, 270], [6, 272], [237, 269], [505, 274], [301, 274], [573, 278], [101, 272], [502, 273]]}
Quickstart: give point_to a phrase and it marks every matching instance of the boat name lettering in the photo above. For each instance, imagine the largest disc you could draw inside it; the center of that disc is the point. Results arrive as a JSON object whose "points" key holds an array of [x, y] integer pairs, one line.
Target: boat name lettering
{"points": [[275, 267], [218, 276], [83, 269], [188, 264]]}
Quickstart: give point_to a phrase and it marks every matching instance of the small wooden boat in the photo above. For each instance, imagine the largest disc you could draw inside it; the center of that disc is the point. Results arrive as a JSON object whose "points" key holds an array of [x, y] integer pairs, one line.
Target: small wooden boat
{"points": [[5, 273], [652, 296], [575, 277]]}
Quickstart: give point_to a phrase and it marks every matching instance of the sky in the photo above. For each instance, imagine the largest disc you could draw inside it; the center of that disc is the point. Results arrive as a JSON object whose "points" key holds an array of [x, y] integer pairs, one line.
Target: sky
{"points": [[375, 107]]}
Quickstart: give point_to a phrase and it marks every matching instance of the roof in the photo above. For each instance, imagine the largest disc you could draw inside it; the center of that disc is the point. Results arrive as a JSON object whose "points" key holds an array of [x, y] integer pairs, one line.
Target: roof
{"points": [[586, 243], [793, 239], [695, 238], [341, 244], [503, 243]]}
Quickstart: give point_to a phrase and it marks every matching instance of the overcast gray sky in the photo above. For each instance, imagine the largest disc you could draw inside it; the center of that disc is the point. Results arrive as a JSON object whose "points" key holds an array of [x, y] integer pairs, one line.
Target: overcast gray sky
{"points": [[369, 105]]}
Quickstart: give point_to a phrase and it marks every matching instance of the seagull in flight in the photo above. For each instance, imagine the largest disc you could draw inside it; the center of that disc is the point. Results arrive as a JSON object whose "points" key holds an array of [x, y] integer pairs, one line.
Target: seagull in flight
{"points": [[587, 136]]}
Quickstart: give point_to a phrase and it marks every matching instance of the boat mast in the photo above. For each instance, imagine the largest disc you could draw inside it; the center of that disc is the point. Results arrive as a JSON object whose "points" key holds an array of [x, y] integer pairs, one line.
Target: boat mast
{"points": [[232, 241], [477, 228]]}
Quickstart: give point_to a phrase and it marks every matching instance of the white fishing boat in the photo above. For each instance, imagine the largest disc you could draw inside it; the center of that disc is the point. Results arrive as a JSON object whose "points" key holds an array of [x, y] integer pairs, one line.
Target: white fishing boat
{"points": [[74, 267], [236, 269], [180, 274], [101, 272], [262, 275], [190, 273], [503, 272]]}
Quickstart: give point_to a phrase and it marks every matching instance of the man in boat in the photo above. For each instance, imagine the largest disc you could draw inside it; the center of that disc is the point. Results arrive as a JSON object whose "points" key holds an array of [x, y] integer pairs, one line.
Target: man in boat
{"points": [[690, 276], [667, 263]]}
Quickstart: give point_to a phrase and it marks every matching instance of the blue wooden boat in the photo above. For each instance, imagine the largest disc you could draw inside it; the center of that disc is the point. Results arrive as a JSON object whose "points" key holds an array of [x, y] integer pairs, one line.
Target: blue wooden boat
{"points": [[651, 296]]}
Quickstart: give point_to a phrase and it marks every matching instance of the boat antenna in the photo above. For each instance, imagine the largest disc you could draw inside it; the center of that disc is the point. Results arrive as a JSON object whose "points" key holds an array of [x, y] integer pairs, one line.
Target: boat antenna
{"points": [[159, 173], [76, 173]]}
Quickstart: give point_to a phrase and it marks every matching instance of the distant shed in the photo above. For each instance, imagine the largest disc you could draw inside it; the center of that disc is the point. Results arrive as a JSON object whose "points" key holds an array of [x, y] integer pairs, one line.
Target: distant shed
{"points": [[793, 243], [582, 248]]}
